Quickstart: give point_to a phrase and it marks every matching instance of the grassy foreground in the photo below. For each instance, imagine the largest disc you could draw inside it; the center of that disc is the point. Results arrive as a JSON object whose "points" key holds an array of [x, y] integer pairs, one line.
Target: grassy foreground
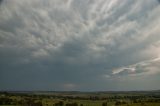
{"points": [[148, 98]]}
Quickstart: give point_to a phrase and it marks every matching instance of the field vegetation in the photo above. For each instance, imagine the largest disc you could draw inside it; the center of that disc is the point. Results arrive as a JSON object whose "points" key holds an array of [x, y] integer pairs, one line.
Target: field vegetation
{"points": [[150, 98]]}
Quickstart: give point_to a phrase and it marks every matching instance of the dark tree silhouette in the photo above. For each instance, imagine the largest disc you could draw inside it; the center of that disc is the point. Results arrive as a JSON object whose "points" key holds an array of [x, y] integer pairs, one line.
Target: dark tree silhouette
{"points": [[81, 104], [104, 104]]}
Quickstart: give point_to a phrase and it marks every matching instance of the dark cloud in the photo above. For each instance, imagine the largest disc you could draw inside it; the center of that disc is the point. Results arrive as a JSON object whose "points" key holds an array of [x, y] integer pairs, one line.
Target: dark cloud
{"points": [[79, 45], [1, 1]]}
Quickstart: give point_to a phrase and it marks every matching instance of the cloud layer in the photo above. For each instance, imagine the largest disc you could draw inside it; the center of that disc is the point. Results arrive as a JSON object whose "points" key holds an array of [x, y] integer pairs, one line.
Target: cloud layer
{"points": [[79, 44]]}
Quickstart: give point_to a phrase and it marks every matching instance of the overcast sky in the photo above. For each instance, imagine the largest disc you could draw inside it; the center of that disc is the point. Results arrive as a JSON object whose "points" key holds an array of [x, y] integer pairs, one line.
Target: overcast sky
{"points": [[84, 45]]}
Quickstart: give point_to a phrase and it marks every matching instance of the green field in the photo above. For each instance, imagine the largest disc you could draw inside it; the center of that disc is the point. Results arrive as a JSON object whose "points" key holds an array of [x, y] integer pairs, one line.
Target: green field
{"points": [[150, 98]]}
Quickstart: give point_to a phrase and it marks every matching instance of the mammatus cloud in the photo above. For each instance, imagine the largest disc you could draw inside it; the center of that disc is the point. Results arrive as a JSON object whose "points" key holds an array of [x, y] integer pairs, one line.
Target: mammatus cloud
{"points": [[79, 45]]}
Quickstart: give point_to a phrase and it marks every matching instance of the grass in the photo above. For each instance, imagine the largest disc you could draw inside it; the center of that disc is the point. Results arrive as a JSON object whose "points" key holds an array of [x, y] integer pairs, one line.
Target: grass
{"points": [[88, 99]]}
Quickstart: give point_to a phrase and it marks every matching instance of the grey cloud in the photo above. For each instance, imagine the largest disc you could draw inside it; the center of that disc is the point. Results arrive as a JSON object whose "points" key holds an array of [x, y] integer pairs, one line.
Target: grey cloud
{"points": [[1, 1], [74, 44], [82, 7]]}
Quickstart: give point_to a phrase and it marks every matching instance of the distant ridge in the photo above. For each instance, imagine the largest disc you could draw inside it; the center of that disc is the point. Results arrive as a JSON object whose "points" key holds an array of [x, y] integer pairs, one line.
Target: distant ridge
{"points": [[74, 92]]}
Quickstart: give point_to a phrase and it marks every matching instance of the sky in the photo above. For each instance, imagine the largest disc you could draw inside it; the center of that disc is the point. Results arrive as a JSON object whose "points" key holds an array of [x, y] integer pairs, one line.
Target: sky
{"points": [[79, 45]]}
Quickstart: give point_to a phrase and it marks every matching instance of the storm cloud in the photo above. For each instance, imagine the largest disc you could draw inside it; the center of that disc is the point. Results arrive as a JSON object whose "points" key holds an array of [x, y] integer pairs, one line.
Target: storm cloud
{"points": [[1, 1], [79, 45]]}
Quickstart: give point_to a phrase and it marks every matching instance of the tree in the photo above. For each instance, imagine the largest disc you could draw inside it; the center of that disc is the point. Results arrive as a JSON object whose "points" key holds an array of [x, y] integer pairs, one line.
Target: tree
{"points": [[104, 104], [81, 104]]}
